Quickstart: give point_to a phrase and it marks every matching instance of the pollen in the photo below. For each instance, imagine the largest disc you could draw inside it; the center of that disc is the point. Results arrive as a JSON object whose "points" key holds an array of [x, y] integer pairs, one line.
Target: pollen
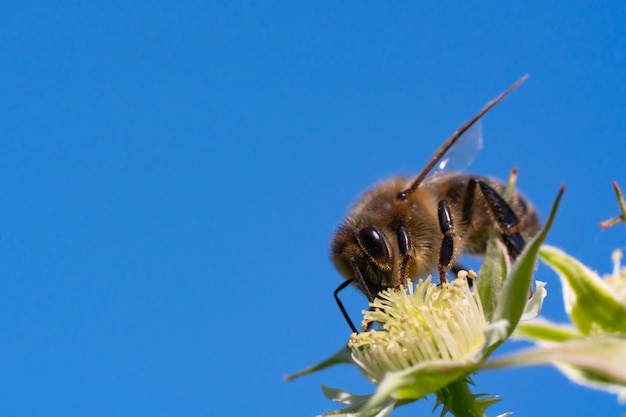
{"points": [[419, 323]]}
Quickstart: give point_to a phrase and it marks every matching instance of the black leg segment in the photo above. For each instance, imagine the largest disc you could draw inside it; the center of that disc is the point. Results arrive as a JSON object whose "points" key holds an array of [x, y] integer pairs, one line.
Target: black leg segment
{"points": [[447, 244], [514, 244], [404, 245], [505, 219]]}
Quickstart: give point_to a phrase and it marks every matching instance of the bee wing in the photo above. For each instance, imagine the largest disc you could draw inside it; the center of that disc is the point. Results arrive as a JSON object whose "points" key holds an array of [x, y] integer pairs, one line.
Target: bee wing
{"points": [[463, 153], [441, 153]]}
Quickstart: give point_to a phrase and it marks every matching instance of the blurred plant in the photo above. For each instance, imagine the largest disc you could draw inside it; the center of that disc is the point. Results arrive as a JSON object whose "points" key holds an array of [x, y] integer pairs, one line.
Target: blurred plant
{"points": [[596, 307], [621, 218]]}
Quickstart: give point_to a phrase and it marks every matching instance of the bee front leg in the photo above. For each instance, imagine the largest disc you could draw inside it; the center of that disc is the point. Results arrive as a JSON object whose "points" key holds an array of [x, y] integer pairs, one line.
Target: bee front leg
{"points": [[447, 244]]}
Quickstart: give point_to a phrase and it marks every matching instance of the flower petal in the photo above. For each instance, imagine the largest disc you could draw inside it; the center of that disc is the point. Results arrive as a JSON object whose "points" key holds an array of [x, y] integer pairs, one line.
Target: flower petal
{"points": [[534, 304]]}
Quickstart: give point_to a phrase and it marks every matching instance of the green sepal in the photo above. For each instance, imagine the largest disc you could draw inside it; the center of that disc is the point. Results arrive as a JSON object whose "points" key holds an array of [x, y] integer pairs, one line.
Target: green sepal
{"points": [[343, 355], [355, 404], [541, 330], [598, 361], [492, 274], [513, 295], [590, 304], [458, 400]]}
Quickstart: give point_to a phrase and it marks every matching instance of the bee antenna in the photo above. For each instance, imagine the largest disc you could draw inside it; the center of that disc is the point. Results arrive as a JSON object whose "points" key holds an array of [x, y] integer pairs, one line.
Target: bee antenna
{"points": [[340, 304], [360, 281], [402, 195]]}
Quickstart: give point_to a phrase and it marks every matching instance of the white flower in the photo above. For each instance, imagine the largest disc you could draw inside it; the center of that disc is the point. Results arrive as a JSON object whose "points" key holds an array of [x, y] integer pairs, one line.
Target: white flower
{"points": [[419, 324]]}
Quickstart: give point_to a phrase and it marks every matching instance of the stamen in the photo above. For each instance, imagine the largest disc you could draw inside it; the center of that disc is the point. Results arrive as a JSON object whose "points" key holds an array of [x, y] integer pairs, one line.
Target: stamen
{"points": [[419, 323]]}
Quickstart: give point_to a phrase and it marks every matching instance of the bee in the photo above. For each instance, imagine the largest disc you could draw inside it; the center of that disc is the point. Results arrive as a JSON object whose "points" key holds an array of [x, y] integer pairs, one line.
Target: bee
{"points": [[400, 228]]}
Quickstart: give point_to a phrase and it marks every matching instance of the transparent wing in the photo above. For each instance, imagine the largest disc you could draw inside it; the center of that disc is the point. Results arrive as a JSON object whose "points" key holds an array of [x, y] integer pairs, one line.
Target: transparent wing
{"points": [[462, 154]]}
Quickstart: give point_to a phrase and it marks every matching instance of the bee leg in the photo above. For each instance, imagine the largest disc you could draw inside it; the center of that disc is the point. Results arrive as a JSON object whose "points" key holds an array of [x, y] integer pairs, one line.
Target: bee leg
{"points": [[340, 304], [505, 219], [447, 244], [404, 244]]}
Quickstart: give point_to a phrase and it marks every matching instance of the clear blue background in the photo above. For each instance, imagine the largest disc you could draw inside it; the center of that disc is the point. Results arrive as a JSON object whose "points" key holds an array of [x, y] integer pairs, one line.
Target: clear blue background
{"points": [[171, 173]]}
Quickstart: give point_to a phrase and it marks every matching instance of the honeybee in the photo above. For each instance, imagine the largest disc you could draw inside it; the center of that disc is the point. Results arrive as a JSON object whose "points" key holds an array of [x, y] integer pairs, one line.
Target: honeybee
{"points": [[400, 229]]}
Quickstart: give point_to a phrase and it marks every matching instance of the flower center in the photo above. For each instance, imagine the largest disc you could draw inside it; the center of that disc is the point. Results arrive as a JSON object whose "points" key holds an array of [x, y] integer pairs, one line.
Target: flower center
{"points": [[418, 324]]}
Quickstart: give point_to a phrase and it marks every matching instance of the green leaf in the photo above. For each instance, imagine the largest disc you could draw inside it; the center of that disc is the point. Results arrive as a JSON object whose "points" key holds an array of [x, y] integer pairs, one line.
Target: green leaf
{"points": [[588, 301]]}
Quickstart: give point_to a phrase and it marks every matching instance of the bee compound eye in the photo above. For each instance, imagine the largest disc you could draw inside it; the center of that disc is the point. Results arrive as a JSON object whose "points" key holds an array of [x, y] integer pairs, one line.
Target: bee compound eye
{"points": [[375, 244]]}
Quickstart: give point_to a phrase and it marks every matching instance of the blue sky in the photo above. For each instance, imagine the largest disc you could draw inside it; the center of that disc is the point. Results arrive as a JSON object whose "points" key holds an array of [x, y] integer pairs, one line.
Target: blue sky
{"points": [[172, 174]]}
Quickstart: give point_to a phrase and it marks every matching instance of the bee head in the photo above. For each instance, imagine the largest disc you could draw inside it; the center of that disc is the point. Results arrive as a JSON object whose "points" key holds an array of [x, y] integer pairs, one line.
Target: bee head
{"points": [[372, 256]]}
